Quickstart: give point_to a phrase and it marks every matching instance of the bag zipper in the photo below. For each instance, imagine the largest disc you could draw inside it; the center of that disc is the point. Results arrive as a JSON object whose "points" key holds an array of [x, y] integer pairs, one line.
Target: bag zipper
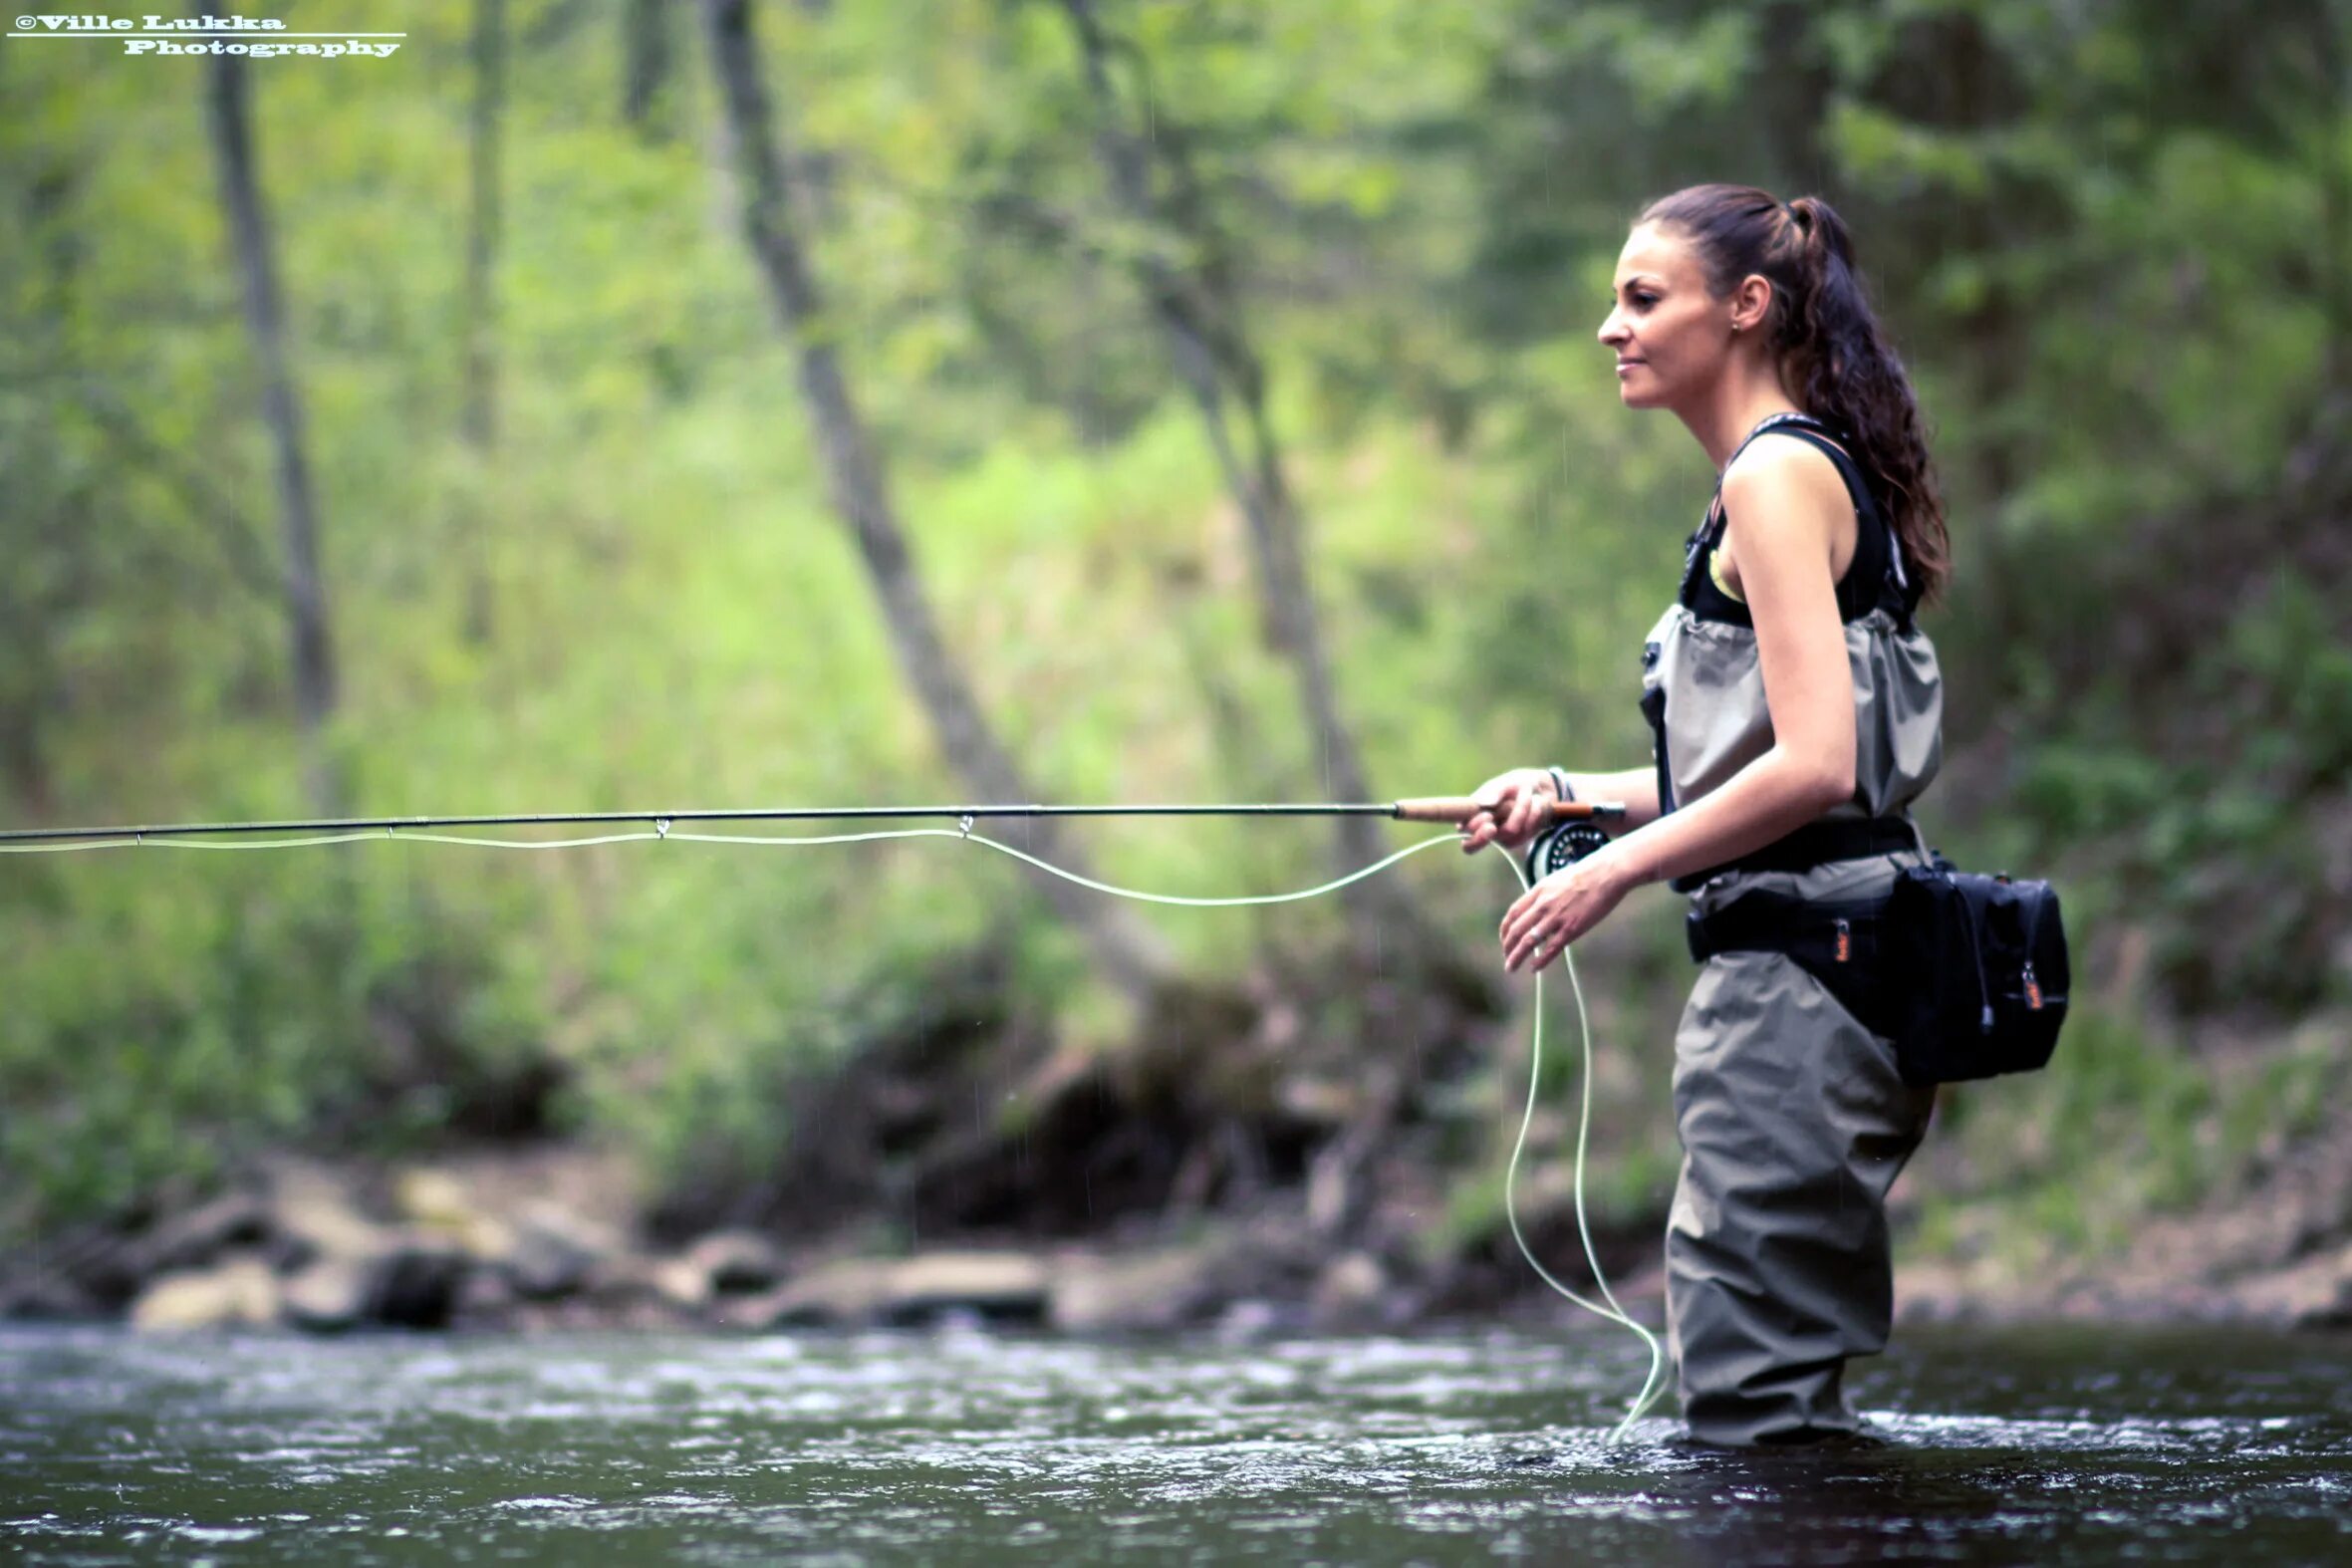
{"points": [[2033, 986], [1984, 991]]}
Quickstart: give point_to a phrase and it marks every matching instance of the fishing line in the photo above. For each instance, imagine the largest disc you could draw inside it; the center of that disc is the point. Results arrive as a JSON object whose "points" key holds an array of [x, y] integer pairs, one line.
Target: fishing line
{"points": [[1607, 1308]]}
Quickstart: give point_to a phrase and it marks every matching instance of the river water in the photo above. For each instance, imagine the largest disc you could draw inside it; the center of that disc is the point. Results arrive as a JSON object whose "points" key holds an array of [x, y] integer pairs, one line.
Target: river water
{"points": [[961, 1445]]}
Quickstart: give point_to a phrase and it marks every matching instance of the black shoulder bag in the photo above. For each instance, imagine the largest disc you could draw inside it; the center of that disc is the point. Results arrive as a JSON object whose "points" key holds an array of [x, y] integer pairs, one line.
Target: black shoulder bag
{"points": [[1973, 974], [1965, 974]]}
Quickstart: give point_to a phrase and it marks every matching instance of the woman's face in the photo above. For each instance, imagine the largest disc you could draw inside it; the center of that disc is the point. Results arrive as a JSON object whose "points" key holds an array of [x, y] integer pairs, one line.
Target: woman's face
{"points": [[1669, 337]]}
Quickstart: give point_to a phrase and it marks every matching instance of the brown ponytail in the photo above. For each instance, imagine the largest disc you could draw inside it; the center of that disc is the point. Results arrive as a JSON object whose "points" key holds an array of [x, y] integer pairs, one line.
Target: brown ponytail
{"points": [[1837, 361]]}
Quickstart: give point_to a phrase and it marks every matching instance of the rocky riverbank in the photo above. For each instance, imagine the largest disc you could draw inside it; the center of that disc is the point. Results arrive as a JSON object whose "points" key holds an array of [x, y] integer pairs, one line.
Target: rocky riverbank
{"points": [[549, 1238], [530, 1240]]}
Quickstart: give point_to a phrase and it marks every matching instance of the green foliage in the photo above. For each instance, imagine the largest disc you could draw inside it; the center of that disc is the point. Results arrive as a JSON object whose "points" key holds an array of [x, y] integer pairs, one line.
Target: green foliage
{"points": [[2107, 237], [181, 1008]]}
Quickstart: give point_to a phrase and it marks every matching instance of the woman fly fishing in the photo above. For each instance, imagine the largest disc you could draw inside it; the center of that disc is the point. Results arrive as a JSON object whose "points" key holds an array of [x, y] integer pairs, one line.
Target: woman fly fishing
{"points": [[1795, 708]]}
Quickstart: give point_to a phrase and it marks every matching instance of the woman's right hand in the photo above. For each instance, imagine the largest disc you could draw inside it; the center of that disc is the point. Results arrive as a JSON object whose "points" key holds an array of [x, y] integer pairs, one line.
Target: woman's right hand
{"points": [[1511, 810]]}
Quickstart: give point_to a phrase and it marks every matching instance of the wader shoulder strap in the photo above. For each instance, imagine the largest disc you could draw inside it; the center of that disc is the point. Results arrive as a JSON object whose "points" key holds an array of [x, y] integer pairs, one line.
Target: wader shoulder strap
{"points": [[1890, 588]]}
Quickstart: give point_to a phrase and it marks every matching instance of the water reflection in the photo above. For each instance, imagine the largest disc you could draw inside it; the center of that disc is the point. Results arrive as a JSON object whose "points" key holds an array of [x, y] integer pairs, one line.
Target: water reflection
{"points": [[1845, 1507]]}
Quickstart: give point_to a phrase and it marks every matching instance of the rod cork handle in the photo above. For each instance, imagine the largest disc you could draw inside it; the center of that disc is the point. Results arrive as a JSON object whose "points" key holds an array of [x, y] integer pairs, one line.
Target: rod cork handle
{"points": [[1458, 809]]}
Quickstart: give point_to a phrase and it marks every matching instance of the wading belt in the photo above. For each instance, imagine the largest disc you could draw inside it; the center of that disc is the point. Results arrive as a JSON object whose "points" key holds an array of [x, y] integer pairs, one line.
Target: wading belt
{"points": [[1815, 844], [1838, 944], [1836, 934]]}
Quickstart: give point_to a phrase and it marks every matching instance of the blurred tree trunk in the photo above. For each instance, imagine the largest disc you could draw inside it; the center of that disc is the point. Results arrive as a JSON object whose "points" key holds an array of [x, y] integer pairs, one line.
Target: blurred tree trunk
{"points": [[1124, 948], [1793, 85], [312, 644], [482, 235], [1199, 312], [46, 528], [646, 62], [1395, 953]]}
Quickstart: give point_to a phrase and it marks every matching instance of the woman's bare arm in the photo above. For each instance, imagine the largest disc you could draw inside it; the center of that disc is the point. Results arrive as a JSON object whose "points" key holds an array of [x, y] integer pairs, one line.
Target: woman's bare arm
{"points": [[1785, 504]]}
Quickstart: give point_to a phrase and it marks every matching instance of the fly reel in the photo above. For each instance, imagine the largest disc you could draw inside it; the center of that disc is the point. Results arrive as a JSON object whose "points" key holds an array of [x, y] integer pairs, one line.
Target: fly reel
{"points": [[1561, 845]]}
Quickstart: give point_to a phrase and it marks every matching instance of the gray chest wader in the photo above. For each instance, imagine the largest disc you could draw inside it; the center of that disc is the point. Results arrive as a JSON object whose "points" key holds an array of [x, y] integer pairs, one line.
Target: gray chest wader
{"points": [[1794, 1119]]}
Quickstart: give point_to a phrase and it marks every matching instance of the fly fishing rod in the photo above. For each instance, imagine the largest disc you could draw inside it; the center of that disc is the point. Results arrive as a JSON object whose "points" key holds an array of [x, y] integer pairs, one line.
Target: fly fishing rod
{"points": [[1572, 830], [1456, 809]]}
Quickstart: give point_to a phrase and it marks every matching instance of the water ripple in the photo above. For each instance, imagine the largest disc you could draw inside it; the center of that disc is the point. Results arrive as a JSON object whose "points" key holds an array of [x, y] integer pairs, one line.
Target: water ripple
{"points": [[963, 1447]]}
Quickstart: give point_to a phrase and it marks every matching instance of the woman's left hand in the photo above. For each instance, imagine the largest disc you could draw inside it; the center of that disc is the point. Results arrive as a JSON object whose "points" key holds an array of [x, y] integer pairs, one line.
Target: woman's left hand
{"points": [[1560, 908]]}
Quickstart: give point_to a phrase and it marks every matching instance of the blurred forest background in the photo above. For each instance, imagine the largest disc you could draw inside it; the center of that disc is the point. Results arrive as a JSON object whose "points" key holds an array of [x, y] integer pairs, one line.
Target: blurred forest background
{"points": [[608, 404]]}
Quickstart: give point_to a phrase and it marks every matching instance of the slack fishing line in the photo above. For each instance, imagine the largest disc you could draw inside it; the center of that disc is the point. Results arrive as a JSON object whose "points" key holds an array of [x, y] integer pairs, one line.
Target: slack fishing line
{"points": [[193, 835]]}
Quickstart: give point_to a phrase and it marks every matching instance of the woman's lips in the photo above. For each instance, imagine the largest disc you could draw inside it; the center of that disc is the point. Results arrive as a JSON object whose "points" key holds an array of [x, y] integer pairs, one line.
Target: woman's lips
{"points": [[1624, 365]]}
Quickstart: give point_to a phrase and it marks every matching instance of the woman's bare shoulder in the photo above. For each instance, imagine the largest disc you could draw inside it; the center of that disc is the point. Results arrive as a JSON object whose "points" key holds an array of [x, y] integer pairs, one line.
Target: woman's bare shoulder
{"points": [[1784, 466], [1785, 493]]}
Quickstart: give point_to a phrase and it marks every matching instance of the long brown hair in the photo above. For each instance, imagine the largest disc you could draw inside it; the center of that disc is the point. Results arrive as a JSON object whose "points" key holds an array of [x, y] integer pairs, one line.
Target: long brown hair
{"points": [[1831, 349]]}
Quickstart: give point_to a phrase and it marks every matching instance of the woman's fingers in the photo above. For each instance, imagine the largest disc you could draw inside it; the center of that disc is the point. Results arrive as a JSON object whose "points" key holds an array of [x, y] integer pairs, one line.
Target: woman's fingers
{"points": [[1512, 808], [1536, 927], [1523, 918], [1493, 799], [1553, 914]]}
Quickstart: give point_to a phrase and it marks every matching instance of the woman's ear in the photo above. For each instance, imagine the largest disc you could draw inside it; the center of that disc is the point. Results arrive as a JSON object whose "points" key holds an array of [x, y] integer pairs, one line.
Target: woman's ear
{"points": [[1751, 302]]}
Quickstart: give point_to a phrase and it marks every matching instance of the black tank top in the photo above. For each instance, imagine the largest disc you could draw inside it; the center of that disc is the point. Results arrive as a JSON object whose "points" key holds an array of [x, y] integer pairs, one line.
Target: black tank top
{"points": [[1873, 578]]}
